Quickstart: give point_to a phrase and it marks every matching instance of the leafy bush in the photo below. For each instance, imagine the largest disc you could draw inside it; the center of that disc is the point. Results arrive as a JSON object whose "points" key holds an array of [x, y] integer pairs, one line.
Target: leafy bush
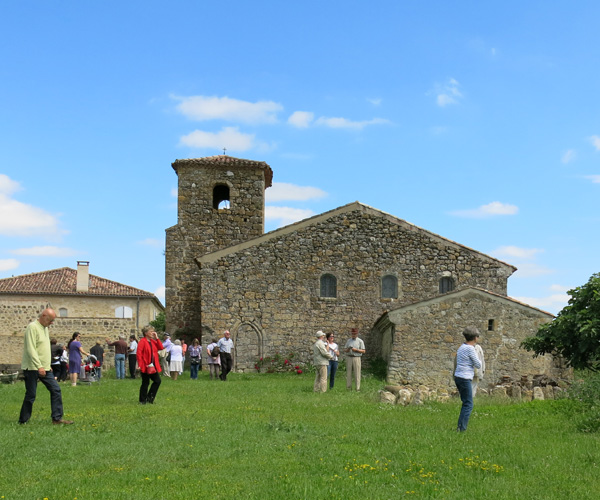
{"points": [[585, 393]]}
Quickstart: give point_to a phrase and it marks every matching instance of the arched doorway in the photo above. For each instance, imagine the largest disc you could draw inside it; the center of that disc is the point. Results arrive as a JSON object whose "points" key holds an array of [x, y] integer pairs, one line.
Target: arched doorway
{"points": [[248, 347]]}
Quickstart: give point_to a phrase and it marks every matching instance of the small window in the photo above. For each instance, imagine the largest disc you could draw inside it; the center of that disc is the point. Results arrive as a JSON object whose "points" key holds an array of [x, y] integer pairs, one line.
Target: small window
{"points": [[446, 285], [63, 312], [490, 325], [221, 196], [328, 285], [123, 312], [389, 287]]}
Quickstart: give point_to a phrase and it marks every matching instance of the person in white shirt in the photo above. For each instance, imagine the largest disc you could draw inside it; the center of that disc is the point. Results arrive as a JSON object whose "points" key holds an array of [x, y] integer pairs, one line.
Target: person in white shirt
{"points": [[333, 362], [226, 348], [164, 360], [176, 363], [354, 349], [132, 355], [466, 362]]}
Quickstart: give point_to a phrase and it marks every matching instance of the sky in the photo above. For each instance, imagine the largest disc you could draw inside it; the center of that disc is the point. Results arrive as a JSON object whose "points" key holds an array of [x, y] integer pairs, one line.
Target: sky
{"points": [[478, 121]]}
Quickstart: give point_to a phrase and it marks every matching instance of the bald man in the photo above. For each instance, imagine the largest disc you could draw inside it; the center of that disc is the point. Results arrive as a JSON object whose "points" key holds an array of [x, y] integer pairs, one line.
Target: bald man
{"points": [[36, 366]]}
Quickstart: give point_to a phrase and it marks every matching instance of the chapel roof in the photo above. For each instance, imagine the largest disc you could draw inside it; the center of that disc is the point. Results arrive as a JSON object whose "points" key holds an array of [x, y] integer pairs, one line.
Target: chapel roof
{"points": [[350, 207], [225, 160], [469, 291], [63, 281]]}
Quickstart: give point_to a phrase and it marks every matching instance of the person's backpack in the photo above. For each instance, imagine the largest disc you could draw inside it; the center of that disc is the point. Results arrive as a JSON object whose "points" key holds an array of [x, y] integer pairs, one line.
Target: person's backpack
{"points": [[215, 351]]}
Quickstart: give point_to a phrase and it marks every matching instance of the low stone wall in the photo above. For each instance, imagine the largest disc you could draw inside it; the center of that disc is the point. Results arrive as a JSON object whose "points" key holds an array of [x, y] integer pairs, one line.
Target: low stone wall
{"points": [[91, 329], [526, 389]]}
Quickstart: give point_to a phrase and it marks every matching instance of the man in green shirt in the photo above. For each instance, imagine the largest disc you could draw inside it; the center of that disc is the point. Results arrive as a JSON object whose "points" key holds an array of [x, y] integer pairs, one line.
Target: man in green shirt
{"points": [[36, 366]]}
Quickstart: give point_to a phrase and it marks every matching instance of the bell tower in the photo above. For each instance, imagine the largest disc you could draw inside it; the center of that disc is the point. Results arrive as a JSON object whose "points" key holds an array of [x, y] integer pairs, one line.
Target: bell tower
{"points": [[220, 203]]}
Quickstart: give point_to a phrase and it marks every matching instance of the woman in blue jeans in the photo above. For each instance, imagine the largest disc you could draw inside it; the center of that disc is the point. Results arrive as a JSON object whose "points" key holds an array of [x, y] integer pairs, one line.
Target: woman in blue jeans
{"points": [[466, 362], [333, 362]]}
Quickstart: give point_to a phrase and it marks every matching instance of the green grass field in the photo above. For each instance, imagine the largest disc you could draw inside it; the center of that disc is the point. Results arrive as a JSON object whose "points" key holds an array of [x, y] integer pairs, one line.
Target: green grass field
{"points": [[268, 436]]}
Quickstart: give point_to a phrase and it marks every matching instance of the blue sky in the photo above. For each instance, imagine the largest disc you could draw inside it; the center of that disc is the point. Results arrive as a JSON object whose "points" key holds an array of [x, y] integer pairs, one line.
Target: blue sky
{"points": [[478, 121]]}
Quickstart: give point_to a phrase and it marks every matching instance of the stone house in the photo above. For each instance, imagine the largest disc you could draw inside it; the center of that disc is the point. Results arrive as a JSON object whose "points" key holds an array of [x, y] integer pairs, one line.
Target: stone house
{"points": [[353, 266], [96, 307]]}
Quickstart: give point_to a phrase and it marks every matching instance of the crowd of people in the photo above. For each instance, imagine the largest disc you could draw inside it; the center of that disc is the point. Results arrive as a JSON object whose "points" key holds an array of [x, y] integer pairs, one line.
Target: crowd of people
{"points": [[326, 355], [47, 361]]}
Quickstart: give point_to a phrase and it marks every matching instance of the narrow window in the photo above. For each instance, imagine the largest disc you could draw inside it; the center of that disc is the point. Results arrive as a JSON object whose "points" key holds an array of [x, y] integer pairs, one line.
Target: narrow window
{"points": [[328, 285], [389, 287], [446, 285], [123, 312], [490, 325], [63, 312], [221, 196]]}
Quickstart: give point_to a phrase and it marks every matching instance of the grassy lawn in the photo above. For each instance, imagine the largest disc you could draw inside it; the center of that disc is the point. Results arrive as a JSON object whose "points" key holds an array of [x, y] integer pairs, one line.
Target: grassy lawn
{"points": [[269, 436]]}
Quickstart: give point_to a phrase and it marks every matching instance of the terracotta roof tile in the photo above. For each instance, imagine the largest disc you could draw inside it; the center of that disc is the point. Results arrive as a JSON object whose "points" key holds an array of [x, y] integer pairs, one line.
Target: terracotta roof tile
{"points": [[228, 160], [63, 281]]}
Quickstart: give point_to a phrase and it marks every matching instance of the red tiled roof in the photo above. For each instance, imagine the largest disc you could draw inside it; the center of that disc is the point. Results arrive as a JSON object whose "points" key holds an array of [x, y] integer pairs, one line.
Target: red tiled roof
{"points": [[229, 160], [63, 281]]}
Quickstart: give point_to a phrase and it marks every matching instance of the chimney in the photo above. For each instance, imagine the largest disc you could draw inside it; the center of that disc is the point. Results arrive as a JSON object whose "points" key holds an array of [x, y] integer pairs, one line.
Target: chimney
{"points": [[83, 276]]}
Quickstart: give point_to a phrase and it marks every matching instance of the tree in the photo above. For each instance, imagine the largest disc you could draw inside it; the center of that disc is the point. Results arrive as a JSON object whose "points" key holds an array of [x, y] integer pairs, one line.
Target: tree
{"points": [[160, 323], [575, 332]]}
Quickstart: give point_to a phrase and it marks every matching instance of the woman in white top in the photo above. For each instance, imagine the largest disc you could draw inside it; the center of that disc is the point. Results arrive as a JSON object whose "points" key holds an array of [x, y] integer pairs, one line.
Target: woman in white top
{"points": [[466, 362], [333, 362], [214, 362], [176, 364]]}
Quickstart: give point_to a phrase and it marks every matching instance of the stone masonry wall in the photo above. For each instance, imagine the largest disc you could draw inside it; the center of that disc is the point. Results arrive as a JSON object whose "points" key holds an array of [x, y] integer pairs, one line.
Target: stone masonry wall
{"points": [[201, 228], [268, 295], [14, 318], [427, 336]]}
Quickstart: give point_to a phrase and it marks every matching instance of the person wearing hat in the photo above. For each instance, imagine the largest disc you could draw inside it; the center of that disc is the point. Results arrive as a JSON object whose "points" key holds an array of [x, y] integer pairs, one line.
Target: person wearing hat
{"points": [[321, 357], [225, 345], [165, 357], [354, 349]]}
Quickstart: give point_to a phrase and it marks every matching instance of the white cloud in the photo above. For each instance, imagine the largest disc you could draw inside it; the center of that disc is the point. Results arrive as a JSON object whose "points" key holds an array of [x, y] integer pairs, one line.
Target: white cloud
{"points": [[594, 178], [552, 303], [174, 192], [448, 93], [8, 186], [229, 137], [151, 242], [489, 210], [46, 251], [595, 140], [286, 215], [160, 293], [568, 156], [516, 252], [8, 264], [336, 122], [282, 191], [21, 219], [204, 108], [301, 119], [375, 101], [560, 288], [531, 270]]}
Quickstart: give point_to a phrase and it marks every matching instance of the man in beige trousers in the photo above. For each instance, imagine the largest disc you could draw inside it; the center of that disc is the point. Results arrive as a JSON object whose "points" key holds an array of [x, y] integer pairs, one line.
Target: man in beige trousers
{"points": [[354, 349], [321, 357]]}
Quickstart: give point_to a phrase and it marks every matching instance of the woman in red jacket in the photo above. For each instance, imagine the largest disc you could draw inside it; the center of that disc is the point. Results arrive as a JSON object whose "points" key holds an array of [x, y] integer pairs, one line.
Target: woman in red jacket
{"points": [[149, 363]]}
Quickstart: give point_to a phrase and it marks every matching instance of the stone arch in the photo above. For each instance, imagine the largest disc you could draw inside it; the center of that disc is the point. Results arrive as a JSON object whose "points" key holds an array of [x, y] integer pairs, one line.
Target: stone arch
{"points": [[248, 342], [382, 340]]}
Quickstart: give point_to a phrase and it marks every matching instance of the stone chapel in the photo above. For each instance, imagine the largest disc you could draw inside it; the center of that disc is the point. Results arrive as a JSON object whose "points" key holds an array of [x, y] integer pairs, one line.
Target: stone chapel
{"points": [[409, 291]]}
